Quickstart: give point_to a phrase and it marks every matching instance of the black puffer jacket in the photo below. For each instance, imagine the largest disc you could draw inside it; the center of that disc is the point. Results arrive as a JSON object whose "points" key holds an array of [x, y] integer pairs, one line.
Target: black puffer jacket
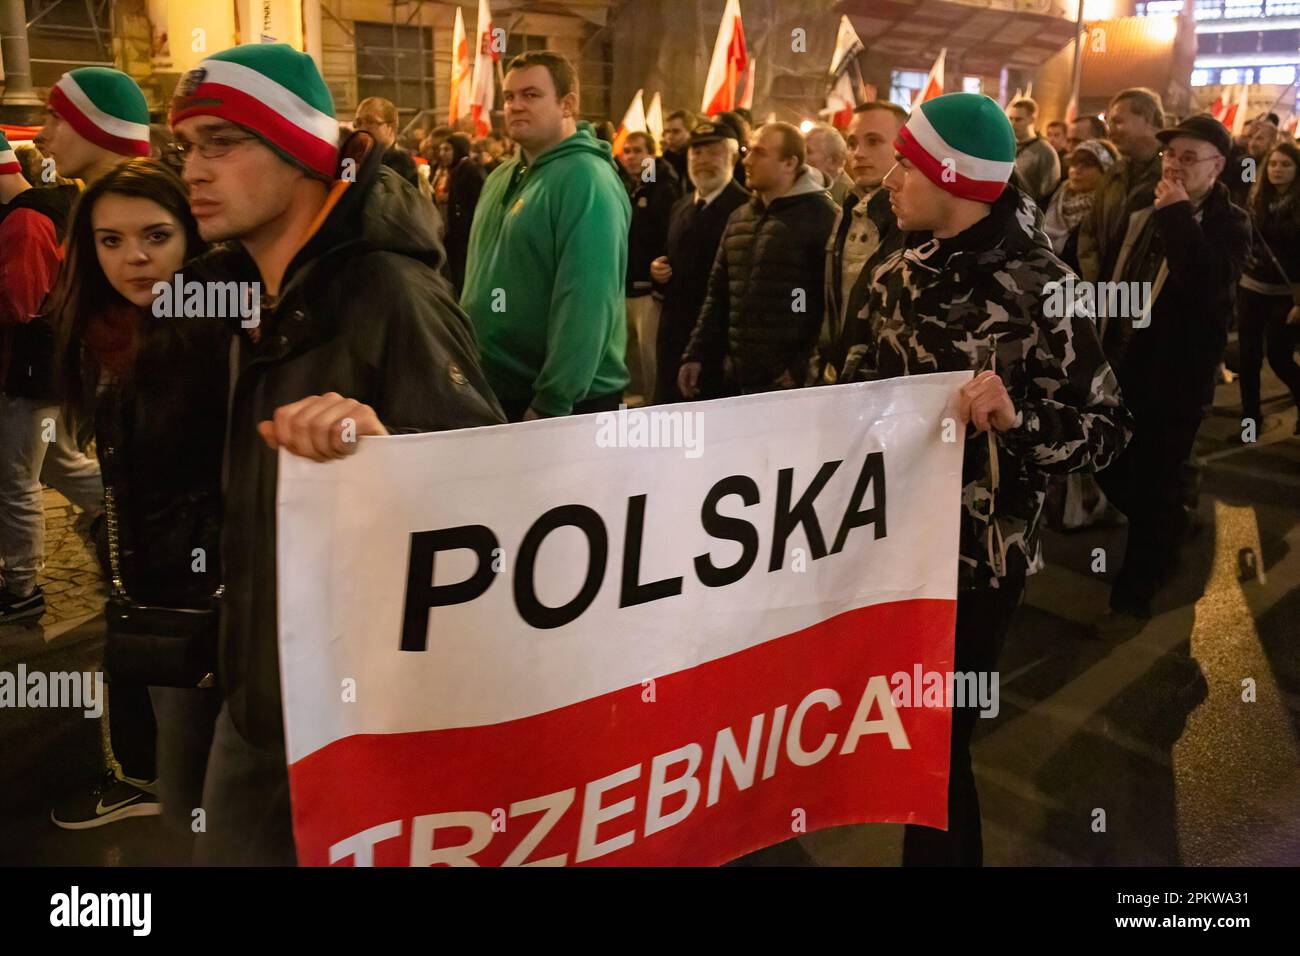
{"points": [[766, 291], [363, 312]]}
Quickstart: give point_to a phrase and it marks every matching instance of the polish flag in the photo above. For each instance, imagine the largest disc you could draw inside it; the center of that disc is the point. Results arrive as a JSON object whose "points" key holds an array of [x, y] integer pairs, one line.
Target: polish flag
{"points": [[633, 122], [484, 88], [729, 61], [1216, 108], [1234, 117], [462, 73], [934, 82], [654, 118], [843, 96]]}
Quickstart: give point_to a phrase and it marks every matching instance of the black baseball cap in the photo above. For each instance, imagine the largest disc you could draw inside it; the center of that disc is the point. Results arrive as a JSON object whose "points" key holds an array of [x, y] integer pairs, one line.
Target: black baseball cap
{"points": [[1200, 126], [712, 132]]}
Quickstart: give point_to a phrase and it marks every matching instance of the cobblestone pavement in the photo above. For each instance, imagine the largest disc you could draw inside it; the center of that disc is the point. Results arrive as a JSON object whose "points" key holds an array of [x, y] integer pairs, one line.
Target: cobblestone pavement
{"points": [[73, 583]]}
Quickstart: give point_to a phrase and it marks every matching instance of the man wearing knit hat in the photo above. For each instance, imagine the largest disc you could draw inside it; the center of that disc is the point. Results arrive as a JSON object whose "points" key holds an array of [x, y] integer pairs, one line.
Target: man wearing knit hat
{"points": [[95, 117], [36, 445], [967, 293], [357, 335]]}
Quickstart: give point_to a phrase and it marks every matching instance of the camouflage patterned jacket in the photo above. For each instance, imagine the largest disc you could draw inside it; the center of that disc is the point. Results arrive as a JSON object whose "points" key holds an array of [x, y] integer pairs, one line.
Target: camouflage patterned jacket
{"points": [[944, 305]]}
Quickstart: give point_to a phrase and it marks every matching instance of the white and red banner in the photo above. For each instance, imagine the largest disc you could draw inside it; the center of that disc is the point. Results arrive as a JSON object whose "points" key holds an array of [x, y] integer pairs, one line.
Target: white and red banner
{"points": [[483, 94], [656, 637], [462, 73], [729, 62]]}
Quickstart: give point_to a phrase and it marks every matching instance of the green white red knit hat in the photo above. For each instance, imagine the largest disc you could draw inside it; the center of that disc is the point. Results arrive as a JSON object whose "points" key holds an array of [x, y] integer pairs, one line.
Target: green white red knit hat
{"points": [[8, 161], [963, 143], [104, 106], [272, 90]]}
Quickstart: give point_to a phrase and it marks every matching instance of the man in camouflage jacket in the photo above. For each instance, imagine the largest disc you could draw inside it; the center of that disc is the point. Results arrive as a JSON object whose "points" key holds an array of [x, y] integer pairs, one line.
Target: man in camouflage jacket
{"points": [[968, 292]]}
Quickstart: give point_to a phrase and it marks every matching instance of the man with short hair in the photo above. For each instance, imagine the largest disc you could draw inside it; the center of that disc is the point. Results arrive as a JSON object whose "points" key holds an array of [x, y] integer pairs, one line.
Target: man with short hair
{"points": [[1244, 168], [1083, 129], [1036, 160], [379, 117], [1057, 139], [694, 234], [1186, 248], [547, 265], [653, 188], [677, 133], [1136, 115], [865, 229], [354, 338], [827, 154], [967, 293], [764, 305]]}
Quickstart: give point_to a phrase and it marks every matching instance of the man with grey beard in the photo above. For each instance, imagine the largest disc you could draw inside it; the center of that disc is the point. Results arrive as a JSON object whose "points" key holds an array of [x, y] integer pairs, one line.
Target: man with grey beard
{"points": [[694, 234]]}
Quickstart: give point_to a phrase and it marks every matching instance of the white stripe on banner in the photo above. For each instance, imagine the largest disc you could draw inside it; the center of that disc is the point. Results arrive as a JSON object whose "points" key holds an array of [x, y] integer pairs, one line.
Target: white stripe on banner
{"points": [[348, 533], [284, 101], [972, 167]]}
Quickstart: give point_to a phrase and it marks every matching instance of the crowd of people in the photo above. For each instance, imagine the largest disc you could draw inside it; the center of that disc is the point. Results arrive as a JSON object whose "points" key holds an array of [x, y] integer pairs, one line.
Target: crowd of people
{"points": [[422, 279]]}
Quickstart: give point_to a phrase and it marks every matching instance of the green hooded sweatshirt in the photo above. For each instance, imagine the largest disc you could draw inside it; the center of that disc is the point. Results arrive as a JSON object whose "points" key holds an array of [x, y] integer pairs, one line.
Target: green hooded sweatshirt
{"points": [[544, 282]]}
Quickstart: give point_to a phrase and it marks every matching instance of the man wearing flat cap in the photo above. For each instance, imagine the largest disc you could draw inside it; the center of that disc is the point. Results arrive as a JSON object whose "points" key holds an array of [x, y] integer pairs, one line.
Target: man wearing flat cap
{"points": [[1186, 251], [695, 230]]}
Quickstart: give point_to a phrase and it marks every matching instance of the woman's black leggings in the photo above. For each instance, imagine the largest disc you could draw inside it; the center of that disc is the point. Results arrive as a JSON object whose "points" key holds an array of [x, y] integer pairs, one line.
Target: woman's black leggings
{"points": [[1262, 329]]}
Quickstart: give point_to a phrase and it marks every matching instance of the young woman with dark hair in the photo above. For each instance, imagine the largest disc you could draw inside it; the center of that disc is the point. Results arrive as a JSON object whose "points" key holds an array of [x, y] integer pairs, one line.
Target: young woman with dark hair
{"points": [[152, 385], [1268, 317]]}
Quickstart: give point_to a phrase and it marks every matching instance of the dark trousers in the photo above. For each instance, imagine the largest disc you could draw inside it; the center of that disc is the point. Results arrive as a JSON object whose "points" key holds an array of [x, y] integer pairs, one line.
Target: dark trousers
{"points": [[132, 730], [1262, 319], [983, 618], [246, 803], [1146, 483], [186, 717], [588, 406]]}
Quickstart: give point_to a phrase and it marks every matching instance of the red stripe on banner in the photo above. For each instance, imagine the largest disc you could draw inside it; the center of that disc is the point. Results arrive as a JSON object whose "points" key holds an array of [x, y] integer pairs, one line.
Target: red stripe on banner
{"points": [[520, 791], [60, 103], [981, 190], [227, 102]]}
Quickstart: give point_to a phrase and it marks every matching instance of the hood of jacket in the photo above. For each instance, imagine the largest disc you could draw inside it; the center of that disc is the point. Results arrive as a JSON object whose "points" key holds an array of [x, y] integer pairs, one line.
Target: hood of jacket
{"points": [[379, 211], [583, 140]]}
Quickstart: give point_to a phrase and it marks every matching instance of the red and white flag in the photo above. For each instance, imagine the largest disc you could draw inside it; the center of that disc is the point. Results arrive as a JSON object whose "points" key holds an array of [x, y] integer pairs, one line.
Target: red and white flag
{"points": [[934, 82], [1234, 114], [633, 122], [665, 636], [485, 58], [462, 73], [730, 61], [843, 95], [654, 118]]}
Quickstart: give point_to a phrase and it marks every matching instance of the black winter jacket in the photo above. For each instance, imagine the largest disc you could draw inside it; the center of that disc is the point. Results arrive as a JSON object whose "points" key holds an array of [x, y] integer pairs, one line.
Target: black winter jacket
{"points": [[362, 311], [466, 184], [647, 238], [1167, 369], [159, 436], [1279, 227], [764, 306], [693, 239]]}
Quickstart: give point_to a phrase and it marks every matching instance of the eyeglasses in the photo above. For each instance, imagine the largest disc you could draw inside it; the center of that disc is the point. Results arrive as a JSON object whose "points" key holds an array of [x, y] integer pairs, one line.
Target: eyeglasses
{"points": [[1188, 159], [212, 146]]}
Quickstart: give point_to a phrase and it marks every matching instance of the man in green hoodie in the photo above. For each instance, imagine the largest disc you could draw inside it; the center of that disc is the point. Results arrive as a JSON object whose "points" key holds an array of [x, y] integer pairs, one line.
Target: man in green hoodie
{"points": [[544, 281]]}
